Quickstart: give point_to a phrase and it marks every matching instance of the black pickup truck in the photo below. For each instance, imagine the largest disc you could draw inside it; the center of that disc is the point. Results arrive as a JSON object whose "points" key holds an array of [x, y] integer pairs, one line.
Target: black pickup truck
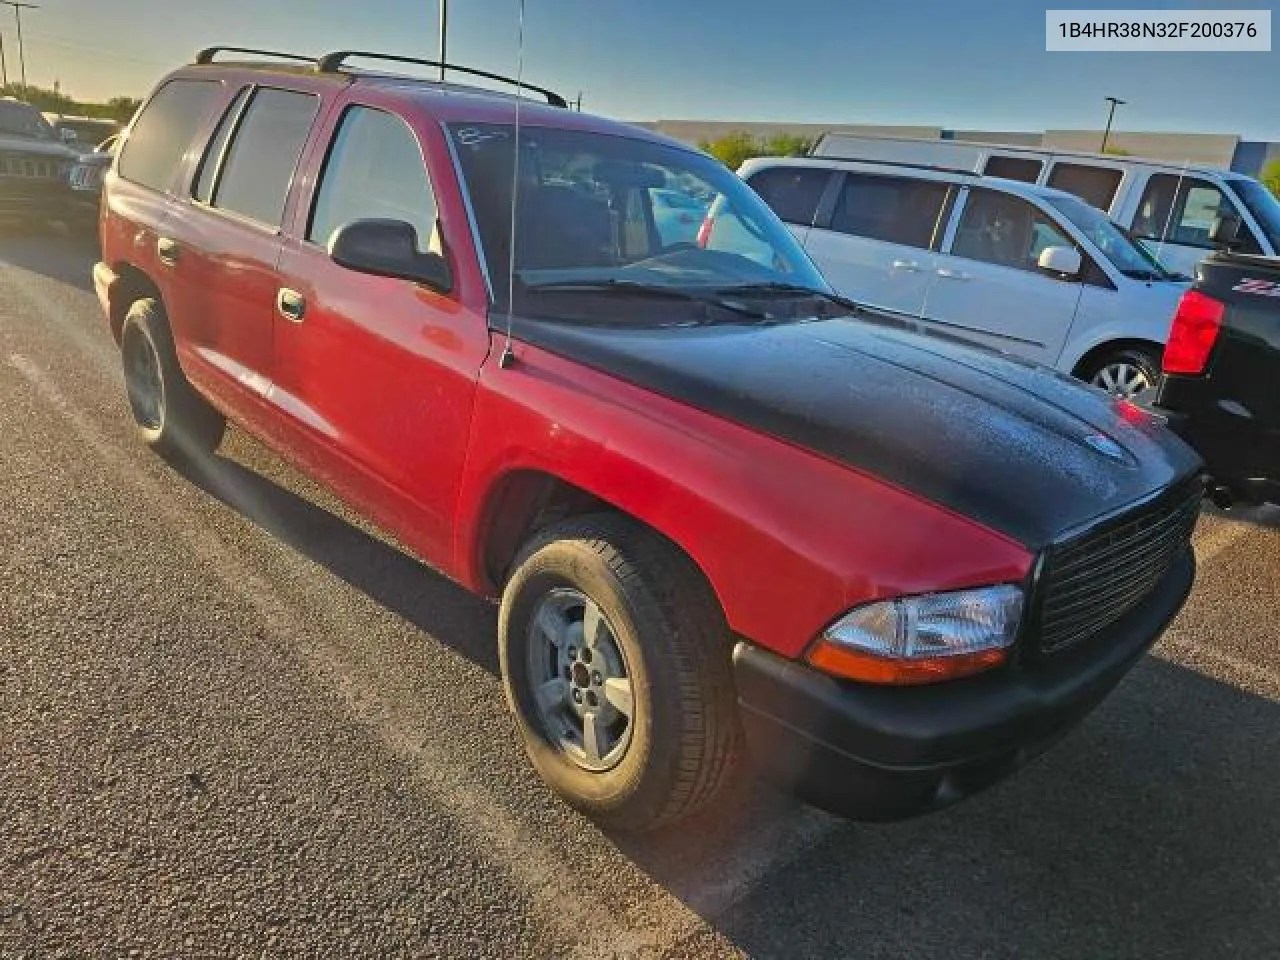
{"points": [[35, 166], [1221, 386]]}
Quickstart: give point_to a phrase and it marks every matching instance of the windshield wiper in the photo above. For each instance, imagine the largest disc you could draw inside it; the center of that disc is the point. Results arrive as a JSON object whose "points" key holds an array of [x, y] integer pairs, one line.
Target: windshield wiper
{"points": [[795, 289], [632, 288]]}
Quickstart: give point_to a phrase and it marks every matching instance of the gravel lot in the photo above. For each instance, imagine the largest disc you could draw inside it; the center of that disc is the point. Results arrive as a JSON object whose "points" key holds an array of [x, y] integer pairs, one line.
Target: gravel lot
{"points": [[235, 721]]}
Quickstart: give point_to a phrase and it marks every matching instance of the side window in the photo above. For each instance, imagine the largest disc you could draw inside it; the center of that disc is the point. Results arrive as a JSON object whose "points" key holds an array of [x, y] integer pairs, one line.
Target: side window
{"points": [[264, 153], [212, 159], [892, 209], [1014, 168], [1005, 230], [1096, 186], [1179, 210], [375, 170], [792, 192], [164, 130]]}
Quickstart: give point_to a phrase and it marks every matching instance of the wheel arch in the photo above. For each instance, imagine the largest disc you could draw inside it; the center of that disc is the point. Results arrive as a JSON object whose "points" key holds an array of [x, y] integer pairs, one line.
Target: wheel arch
{"points": [[1088, 361], [525, 501], [131, 285]]}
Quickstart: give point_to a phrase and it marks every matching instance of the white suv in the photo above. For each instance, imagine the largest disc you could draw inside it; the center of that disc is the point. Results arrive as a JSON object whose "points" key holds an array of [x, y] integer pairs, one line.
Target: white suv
{"points": [[1026, 269]]}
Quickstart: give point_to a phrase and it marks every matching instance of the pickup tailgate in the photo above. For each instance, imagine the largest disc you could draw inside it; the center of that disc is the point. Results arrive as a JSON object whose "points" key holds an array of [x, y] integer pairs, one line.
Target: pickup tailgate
{"points": [[1231, 411]]}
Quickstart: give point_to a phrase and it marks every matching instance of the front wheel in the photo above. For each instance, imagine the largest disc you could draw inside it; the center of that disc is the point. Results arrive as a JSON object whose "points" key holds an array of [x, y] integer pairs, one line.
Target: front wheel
{"points": [[616, 665], [1130, 372]]}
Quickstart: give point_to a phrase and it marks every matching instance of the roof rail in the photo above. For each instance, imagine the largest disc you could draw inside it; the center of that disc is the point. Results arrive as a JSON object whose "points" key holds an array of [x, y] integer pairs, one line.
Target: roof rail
{"points": [[900, 163], [334, 62], [208, 53]]}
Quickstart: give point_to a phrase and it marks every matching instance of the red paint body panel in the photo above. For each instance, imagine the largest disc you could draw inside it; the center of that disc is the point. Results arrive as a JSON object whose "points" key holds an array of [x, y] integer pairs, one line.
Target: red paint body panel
{"points": [[789, 540], [393, 395]]}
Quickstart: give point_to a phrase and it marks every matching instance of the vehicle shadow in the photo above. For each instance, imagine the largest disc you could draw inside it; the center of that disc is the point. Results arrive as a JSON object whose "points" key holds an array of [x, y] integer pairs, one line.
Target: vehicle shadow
{"points": [[381, 570], [1149, 832], [54, 251], [1266, 516]]}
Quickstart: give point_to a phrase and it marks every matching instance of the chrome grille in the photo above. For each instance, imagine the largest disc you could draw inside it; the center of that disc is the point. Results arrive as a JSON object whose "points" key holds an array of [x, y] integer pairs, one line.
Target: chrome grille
{"points": [[31, 168], [1092, 581]]}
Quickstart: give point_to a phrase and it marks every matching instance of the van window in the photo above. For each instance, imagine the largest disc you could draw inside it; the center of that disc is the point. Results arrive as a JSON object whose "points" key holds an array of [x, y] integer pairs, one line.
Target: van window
{"points": [[792, 192], [1014, 168], [1004, 230], [264, 154], [164, 130], [375, 171], [1095, 185], [1179, 210], [892, 209]]}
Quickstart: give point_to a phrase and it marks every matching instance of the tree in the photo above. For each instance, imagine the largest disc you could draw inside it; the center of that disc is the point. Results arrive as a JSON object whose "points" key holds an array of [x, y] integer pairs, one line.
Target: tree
{"points": [[735, 149], [1270, 177], [123, 108]]}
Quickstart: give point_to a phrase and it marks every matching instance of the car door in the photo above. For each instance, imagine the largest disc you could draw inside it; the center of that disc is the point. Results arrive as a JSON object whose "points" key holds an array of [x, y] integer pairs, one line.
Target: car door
{"points": [[376, 376], [989, 286], [223, 249], [876, 247]]}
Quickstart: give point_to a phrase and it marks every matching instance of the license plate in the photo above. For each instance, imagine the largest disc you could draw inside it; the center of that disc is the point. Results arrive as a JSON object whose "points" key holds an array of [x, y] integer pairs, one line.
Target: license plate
{"points": [[86, 178]]}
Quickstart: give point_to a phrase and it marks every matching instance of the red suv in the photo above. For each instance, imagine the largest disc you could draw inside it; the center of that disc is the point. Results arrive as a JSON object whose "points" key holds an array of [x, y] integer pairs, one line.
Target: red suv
{"points": [[720, 505]]}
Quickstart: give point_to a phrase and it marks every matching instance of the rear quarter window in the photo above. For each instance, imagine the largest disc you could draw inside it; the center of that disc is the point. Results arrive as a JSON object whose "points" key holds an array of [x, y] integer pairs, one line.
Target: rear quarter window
{"points": [[164, 131]]}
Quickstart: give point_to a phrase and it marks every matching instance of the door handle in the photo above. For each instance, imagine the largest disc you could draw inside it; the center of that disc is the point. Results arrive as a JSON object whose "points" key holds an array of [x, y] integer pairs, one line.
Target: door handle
{"points": [[168, 251], [910, 266], [291, 304], [954, 274]]}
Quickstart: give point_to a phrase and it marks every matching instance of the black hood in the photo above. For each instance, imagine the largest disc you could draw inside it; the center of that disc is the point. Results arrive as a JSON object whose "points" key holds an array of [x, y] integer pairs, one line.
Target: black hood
{"points": [[32, 146], [1020, 448]]}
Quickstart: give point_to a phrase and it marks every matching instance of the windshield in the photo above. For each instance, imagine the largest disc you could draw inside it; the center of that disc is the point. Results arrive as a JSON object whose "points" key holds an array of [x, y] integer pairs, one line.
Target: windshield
{"points": [[1262, 204], [20, 120], [1110, 240], [588, 214]]}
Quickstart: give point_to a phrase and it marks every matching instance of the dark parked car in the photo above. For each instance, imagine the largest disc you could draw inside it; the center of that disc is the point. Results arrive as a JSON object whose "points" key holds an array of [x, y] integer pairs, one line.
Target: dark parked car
{"points": [[1222, 371], [34, 165], [715, 501], [87, 176]]}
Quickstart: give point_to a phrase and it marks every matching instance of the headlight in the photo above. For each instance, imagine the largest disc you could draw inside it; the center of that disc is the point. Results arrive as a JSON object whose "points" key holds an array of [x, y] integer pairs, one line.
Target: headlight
{"points": [[924, 639]]}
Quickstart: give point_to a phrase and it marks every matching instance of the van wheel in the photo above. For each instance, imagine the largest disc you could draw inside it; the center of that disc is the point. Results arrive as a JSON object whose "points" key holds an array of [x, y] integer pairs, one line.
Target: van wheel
{"points": [[1130, 372], [172, 418], [616, 665]]}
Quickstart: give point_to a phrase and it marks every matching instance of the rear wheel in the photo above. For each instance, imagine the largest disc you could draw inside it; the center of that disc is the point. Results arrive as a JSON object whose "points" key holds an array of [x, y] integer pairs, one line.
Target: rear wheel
{"points": [[616, 664], [1129, 372], [172, 418]]}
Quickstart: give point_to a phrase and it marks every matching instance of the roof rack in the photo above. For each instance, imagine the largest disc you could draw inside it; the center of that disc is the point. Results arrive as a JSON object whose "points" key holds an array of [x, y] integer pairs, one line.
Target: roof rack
{"points": [[207, 55], [334, 62]]}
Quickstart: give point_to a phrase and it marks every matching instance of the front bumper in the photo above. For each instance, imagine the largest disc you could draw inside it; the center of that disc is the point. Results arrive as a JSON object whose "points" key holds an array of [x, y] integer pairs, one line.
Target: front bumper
{"points": [[886, 753]]}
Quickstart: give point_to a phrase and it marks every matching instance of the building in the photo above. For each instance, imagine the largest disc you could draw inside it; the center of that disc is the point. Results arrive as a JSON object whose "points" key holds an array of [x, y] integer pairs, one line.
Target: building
{"points": [[1225, 151]]}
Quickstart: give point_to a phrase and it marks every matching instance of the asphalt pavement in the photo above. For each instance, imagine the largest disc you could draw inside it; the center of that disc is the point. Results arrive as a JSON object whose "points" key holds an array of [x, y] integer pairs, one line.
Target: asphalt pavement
{"points": [[236, 721]]}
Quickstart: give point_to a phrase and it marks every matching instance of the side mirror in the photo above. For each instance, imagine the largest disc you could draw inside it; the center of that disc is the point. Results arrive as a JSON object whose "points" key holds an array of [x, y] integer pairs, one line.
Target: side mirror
{"points": [[1065, 261], [1225, 232], [389, 248], [68, 136]]}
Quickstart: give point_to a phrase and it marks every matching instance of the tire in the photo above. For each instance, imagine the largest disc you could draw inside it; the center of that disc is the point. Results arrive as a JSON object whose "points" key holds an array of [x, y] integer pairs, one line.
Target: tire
{"points": [[1130, 372], [172, 418], [662, 633]]}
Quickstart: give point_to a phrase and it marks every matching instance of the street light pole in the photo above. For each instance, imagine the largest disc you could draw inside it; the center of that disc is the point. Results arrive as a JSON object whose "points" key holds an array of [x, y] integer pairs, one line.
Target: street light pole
{"points": [[4, 67], [1110, 116], [18, 7]]}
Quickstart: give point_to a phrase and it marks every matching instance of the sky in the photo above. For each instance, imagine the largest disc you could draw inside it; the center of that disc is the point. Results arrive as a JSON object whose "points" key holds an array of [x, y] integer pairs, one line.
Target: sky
{"points": [[976, 64]]}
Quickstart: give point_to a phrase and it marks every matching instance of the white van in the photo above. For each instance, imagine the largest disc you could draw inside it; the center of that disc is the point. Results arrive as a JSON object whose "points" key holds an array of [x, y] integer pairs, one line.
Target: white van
{"points": [[1168, 207], [1026, 269]]}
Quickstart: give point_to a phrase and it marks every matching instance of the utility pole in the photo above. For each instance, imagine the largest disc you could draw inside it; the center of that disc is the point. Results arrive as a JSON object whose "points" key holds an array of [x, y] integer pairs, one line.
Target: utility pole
{"points": [[4, 66], [577, 103], [444, 36], [1110, 116], [18, 7]]}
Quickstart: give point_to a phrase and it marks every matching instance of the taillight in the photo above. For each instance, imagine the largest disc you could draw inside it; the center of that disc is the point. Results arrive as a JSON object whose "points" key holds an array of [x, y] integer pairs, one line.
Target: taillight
{"points": [[704, 231], [1195, 330]]}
